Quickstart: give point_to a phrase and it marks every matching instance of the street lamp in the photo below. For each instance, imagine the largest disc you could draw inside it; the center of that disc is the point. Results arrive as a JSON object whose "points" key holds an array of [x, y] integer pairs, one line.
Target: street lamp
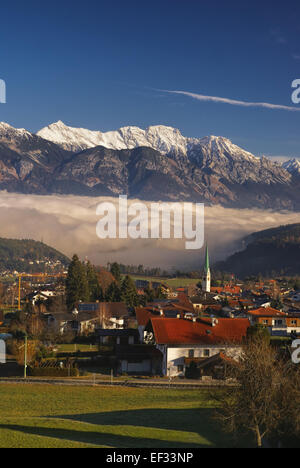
{"points": [[25, 355]]}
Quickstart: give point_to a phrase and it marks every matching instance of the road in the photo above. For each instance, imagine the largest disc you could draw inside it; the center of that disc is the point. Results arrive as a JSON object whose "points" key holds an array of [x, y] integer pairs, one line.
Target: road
{"points": [[154, 383]]}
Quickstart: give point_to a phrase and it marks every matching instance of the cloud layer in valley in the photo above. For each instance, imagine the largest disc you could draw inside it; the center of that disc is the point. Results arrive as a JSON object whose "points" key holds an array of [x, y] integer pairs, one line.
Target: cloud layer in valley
{"points": [[68, 223]]}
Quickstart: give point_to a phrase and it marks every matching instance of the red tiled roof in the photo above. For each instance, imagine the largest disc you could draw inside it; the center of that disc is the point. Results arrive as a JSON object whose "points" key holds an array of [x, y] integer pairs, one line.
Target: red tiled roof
{"points": [[227, 289], [179, 331], [143, 315], [185, 307], [266, 312]]}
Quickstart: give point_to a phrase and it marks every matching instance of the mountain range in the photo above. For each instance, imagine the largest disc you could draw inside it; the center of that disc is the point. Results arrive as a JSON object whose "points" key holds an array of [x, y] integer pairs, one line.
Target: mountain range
{"points": [[158, 163]]}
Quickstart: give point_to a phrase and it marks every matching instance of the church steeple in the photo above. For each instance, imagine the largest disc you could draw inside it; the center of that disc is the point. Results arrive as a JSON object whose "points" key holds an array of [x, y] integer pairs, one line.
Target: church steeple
{"points": [[206, 283], [206, 259]]}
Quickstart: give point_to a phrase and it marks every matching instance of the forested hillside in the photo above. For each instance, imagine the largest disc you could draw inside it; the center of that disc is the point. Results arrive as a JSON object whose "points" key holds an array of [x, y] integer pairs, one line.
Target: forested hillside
{"points": [[29, 256], [271, 252]]}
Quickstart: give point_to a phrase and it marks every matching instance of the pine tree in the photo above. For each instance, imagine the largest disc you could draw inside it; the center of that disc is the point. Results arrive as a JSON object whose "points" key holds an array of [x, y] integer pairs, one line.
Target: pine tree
{"points": [[95, 291], [128, 292], [76, 283], [113, 293], [116, 272]]}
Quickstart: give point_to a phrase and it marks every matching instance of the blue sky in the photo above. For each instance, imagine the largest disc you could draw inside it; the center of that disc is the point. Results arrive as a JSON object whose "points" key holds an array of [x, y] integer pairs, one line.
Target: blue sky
{"points": [[99, 65]]}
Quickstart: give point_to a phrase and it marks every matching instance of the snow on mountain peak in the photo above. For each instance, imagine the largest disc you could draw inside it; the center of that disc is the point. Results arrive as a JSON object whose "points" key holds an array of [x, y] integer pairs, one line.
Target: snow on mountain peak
{"points": [[162, 138], [9, 128], [218, 146], [292, 166], [13, 136]]}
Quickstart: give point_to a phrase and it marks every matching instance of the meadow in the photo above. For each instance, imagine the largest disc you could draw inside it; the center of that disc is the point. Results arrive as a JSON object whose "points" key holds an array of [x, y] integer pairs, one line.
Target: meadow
{"points": [[45, 416], [171, 282]]}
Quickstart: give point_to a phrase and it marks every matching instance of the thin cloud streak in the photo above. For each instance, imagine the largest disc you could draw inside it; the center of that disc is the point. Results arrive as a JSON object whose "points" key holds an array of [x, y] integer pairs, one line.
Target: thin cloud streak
{"points": [[233, 102]]}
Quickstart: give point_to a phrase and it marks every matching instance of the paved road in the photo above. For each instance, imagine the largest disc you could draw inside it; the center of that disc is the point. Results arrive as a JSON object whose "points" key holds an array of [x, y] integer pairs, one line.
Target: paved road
{"points": [[120, 383]]}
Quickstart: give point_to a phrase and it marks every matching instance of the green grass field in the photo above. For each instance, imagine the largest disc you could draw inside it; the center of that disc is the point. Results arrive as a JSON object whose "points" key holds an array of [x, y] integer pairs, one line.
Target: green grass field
{"points": [[52, 416], [172, 282]]}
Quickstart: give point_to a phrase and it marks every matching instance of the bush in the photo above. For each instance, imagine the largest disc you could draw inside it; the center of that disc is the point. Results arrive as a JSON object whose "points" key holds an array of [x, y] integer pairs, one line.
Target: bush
{"points": [[53, 372], [44, 353]]}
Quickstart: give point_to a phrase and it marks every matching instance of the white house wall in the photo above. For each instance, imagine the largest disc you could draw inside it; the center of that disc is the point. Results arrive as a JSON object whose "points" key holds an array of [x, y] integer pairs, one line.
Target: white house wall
{"points": [[176, 355]]}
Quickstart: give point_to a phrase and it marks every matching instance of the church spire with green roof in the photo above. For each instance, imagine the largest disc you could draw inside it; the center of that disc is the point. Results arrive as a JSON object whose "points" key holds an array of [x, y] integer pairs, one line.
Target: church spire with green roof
{"points": [[206, 283], [207, 259]]}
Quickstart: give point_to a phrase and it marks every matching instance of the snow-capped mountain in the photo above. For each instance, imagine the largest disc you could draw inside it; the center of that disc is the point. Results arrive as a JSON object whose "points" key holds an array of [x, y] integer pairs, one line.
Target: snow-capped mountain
{"points": [[26, 160], [21, 141], [292, 166], [157, 163], [161, 138], [218, 155], [215, 154]]}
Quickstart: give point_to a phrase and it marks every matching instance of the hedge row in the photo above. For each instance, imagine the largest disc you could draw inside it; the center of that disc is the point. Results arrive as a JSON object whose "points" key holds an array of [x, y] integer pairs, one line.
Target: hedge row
{"points": [[53, 372]]}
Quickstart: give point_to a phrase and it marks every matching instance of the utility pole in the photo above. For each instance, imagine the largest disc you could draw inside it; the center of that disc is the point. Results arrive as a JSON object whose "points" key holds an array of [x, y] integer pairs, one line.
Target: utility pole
{"points": [[25, 357], [19, 295]]}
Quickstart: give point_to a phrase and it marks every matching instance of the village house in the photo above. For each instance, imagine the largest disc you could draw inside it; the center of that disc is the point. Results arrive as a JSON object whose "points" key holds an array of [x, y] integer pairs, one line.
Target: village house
{"points": [[202, 302], [227, 290], [181, 308], [266, 312], [111, 315], [278, 323], [139, 360], [197, 339], [118, 336], [65, 322]]}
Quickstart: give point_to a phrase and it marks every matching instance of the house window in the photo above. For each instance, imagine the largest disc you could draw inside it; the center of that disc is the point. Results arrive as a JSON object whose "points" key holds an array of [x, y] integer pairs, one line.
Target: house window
{"points": [[191, 353], [206, 353], [278, 322], [180, 368], [131, 340], [294, 322], [265, 322]]}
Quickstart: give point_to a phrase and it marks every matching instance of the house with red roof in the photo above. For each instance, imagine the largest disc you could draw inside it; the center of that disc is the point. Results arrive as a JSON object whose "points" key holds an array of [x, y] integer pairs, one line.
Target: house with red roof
{"points": [[180, 308], [180, 339], [265, 312], [278, 323], [227, 290]]}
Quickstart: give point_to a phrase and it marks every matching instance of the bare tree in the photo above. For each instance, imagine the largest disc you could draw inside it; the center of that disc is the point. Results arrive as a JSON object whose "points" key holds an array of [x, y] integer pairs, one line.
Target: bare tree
{"points": [[266, 399]]}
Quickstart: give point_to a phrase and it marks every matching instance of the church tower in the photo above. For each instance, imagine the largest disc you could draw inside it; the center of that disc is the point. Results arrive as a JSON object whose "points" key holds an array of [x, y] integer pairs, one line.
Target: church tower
{"points": [[207, 278]]}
